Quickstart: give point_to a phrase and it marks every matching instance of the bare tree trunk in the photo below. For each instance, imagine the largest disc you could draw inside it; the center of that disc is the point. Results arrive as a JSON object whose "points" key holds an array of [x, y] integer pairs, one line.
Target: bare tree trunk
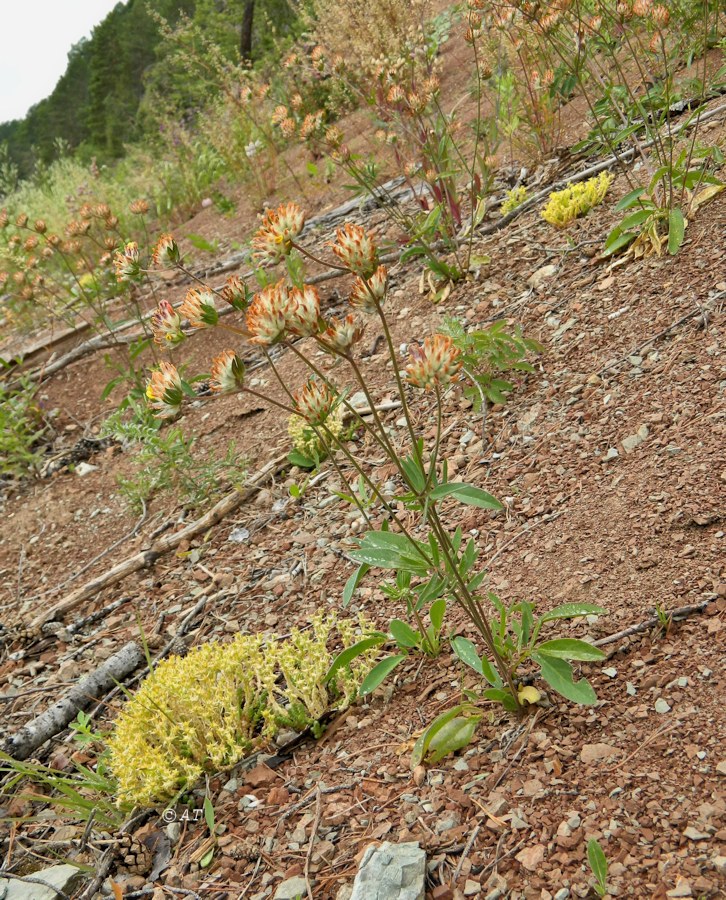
{"points": [[245, 42]]}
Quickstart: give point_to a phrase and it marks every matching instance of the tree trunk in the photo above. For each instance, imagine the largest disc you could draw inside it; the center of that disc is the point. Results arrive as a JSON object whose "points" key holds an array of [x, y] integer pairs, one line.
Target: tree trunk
{"points": [[245, 43]]}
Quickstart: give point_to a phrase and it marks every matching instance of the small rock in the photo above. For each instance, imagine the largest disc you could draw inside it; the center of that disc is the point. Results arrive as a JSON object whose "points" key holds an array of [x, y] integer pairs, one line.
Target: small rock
{"points": [[261, 776], [721, 767], [635, 440], [471, 888], [682, 889], [661, 706], [64, 878], [239, 535], [536, 279], [693, 834], [531, 857], [594, 752], [610, 672], [84, 468], [610, 455], [291, 889], [391, 872]]}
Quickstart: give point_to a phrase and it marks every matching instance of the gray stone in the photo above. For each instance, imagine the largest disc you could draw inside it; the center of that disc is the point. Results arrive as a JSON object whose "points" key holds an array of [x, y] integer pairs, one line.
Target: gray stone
{"points": [[635, 440], [292, 888], [64, 878], [391, 872], [84, 468], [610, 455]]}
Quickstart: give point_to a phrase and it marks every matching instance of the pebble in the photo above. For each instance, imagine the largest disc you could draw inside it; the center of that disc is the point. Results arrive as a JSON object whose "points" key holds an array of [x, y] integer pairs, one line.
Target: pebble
{"points": [[662, 706]]}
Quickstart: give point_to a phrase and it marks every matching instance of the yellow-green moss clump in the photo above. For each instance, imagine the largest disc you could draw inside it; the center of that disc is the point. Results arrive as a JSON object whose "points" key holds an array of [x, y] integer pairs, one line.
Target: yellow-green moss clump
{"points": [[514, 199], [306, 441], [205, 711], [575, 200]]}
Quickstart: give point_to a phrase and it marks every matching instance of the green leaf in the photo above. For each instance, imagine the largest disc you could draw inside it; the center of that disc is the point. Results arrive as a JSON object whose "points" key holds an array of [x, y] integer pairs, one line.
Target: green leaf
{"points": [[636, 219], [598, 862], [201, 243], [618, 241], [437, 613], [466, 493], [387, 550], [570, 648], [558, 674], [295, 458], [352, 583], [403, 634], [467, 653], [379, 673], [676, 230], [207, 858], [499, 695], [452, 737], [345, 657], [629, 199], [572, 611], [208, 813], [421, 746]]}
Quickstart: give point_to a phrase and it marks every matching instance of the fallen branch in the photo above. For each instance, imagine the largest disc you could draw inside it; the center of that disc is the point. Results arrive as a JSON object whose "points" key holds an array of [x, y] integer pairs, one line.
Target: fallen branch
{"points": [[675, 616], [31, 736], [148, 557]]}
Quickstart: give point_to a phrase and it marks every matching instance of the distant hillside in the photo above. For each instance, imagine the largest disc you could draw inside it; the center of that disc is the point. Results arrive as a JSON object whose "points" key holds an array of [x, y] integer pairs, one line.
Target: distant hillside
{"points": [[93, 108]]}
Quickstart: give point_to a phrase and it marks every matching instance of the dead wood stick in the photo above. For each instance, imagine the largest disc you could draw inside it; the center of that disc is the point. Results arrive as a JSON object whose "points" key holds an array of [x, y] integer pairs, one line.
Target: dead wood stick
{"points": [[31, 736], [676, 615], [148, 557]]}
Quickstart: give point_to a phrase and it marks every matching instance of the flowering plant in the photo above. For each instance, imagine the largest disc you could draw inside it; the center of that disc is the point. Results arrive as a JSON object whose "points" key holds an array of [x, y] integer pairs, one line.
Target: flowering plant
{"points": [[407, 533]]}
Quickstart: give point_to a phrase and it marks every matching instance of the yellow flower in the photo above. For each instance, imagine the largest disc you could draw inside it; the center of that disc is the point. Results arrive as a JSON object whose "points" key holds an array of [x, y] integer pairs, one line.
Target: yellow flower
{"points": [[435, 364], [575, 200]]}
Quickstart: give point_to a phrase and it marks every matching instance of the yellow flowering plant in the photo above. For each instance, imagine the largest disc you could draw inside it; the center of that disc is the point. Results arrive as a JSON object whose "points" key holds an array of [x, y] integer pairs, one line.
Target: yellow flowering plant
{"points": [[203, 712], [576, 200]]}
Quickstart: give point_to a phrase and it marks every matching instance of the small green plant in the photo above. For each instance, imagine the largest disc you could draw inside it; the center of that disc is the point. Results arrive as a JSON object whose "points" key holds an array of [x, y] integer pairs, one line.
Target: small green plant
{"points": [[488, 353], [576, 200], [517, 640], [22, 428], [654, 217], [408, 529], [514, 199], [308, 451], [599, 865], [164, 460], [87, 792]]}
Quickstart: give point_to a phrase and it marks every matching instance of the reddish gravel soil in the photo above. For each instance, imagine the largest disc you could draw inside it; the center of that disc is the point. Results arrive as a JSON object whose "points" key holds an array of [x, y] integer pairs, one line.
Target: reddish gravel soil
{"points": [[610, 459]]}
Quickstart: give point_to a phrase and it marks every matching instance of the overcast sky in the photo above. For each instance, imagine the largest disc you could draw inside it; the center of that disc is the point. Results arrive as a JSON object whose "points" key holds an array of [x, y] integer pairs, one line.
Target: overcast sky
{"points": [[37, 35]]}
